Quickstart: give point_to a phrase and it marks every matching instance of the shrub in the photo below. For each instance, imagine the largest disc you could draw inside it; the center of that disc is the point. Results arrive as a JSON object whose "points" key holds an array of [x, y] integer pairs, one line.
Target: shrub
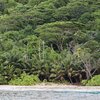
{"points": [[2, 80], [84, 82], [25, 79], [95, 81]]}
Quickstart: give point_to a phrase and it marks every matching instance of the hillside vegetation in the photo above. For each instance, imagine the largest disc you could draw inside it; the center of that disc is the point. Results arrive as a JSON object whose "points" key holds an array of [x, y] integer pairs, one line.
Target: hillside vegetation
{"points": [[53, 40]]}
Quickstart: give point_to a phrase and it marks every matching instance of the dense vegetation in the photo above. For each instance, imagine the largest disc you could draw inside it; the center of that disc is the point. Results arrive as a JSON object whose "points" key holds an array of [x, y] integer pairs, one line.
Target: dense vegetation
{"points": [[94, 81], [53, 40]]}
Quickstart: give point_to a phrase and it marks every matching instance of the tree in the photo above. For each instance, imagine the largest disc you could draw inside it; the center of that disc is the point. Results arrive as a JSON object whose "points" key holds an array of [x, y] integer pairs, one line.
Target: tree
{"points": [[22, 1], [58, 34], [87, 61], [72, 11]]}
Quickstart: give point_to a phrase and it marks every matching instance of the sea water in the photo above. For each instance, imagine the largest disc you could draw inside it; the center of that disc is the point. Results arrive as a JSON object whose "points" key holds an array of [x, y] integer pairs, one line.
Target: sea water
{"points": [[52, 94]]}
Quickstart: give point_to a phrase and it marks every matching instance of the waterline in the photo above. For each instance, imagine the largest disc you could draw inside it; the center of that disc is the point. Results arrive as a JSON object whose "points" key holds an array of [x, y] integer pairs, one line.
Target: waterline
{"points": [[47, 93]]}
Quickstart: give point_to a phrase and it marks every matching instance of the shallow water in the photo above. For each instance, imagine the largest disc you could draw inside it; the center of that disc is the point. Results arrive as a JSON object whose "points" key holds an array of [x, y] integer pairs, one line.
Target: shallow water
{"points": [[49, 95]]}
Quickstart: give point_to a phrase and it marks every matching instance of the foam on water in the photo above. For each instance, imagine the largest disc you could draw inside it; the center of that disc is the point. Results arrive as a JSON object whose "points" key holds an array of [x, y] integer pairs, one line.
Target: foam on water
{"points": [[16, 93]]}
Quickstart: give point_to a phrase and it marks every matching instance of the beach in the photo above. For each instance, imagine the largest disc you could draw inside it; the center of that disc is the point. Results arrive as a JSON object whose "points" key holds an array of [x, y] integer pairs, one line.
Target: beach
{"points": [[49, 92], [50, 86]]}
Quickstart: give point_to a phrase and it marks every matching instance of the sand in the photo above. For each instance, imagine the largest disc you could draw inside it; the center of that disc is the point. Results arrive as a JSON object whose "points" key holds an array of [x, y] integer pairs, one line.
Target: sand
{"points": [[50, 86]]}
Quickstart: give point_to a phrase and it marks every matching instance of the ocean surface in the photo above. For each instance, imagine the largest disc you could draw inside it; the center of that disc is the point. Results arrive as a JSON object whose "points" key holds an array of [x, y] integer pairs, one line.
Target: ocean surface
{"points": [[52, 94]]}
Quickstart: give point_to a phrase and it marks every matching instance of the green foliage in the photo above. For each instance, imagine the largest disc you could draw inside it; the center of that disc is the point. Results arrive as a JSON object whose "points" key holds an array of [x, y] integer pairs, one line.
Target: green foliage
{"points": [[84, 82], [72, 11], [56, 40], [95, 81], [58, 33], [25, 79], [2, 80], [22, 1], [35, 2]]}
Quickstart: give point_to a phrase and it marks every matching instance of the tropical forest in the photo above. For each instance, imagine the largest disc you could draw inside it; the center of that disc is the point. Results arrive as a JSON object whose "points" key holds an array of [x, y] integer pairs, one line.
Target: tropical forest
{"points": [[54, 41]]}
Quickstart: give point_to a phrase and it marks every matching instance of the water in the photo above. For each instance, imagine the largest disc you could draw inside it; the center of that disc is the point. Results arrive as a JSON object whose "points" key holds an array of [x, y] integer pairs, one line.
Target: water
{"points": [[49, 95]]}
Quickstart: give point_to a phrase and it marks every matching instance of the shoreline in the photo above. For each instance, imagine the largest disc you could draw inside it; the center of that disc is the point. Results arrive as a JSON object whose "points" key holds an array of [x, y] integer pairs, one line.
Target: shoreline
{"points": [[49, 87]]}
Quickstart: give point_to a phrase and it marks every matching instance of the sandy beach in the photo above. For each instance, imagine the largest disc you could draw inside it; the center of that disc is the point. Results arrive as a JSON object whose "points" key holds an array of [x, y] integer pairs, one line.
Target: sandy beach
{"points": [[48, 87]]}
